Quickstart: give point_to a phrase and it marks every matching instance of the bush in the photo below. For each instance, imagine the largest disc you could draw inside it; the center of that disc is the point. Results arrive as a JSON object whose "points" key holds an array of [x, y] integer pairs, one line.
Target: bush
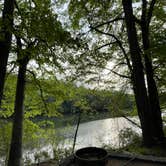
{"points": [[127, 136]]}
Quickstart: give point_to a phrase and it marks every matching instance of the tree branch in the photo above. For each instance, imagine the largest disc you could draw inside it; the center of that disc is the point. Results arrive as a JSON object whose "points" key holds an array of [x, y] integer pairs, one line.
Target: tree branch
{"points": [[108, 44], [110, 21], [150, 11], [40, 89], [144, 11], [119, 44], [131, 121], [118, 74]]}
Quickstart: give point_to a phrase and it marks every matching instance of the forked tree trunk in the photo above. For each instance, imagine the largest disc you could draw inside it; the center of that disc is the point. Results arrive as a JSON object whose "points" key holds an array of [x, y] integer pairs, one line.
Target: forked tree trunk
{"points": [[140, 91], [152, 88], [5, 40], [15, 153]]}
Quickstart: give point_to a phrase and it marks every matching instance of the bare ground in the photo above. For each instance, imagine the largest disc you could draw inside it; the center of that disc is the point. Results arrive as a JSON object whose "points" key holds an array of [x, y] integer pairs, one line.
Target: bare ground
{"points": [[117, 160]]}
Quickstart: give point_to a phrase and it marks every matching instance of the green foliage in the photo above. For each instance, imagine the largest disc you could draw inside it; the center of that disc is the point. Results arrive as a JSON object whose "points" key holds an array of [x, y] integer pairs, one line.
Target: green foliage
{"points": [[159, 11], [37, 23], [43, 98], [9, 96], [87, 14], [60, 154], [94, 61], [158, 49], [42, 35], [32, 135], [48, 30], [49, 97], [98, 101], [38, 128], [127, 136], [5, 135], [79, 11]]}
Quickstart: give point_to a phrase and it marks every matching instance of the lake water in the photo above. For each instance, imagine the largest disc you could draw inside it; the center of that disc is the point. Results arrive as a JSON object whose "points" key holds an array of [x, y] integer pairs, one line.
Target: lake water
{"points": [[100, 132], [95, 133], [106, 131]]}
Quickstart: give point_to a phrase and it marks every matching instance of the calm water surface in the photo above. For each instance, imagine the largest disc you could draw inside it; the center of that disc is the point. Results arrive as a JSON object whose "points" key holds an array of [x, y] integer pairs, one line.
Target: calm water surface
{"points": [[100, 132], [94, 133]]}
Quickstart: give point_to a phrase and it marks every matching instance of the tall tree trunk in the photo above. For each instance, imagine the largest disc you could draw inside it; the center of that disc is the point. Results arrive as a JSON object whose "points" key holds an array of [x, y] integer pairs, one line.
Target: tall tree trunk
{"points": [[140, 91], [15, 153], [152, 88], [5, 40]]}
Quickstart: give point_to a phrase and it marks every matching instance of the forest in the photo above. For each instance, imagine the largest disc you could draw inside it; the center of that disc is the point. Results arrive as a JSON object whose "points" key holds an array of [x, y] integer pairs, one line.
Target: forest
{"points": [[64, 60]]}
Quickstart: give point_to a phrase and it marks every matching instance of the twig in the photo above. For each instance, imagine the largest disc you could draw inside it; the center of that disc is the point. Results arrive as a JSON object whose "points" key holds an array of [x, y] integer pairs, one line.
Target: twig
{"points": [[75, 136], [120, 75], [131, 121], [110, 21], [40, 88], [107, 44]]}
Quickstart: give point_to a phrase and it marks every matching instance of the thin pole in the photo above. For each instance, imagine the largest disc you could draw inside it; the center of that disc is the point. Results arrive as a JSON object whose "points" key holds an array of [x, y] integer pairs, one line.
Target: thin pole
{"points": [[75, 136]]}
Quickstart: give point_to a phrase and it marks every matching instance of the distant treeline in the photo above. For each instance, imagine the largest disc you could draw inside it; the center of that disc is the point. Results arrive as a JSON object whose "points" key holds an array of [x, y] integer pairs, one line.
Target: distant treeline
{"points": [[97, 101], [51, 97]]}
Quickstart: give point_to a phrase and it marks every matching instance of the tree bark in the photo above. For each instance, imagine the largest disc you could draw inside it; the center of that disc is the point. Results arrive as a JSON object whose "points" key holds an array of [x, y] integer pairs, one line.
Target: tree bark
{"points": [[15, 153], [139, 87], [5, 41], [152, 88]]}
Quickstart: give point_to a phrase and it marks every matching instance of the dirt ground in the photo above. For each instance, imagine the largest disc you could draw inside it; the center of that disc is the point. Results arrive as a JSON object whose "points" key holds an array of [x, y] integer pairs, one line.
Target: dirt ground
{"points": [[116, 161], [135, 160]]}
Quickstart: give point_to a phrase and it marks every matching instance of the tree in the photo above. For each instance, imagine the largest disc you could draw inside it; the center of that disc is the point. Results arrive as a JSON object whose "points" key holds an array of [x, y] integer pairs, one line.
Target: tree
{"points": [[138, 76], [152, 88], [16, 141], [35, 43], [139, 63], [5, 40]]}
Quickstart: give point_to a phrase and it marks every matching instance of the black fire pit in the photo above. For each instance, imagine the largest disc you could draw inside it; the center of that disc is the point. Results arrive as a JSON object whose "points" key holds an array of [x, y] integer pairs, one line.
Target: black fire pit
{"points": [[91, 156]]}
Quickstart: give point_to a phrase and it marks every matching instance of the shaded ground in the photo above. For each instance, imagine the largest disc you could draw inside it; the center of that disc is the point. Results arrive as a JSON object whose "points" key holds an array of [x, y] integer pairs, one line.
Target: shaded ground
{"points": [[118, 160], [128, 162], [132, 162], [135, 160], [47, 163]]}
